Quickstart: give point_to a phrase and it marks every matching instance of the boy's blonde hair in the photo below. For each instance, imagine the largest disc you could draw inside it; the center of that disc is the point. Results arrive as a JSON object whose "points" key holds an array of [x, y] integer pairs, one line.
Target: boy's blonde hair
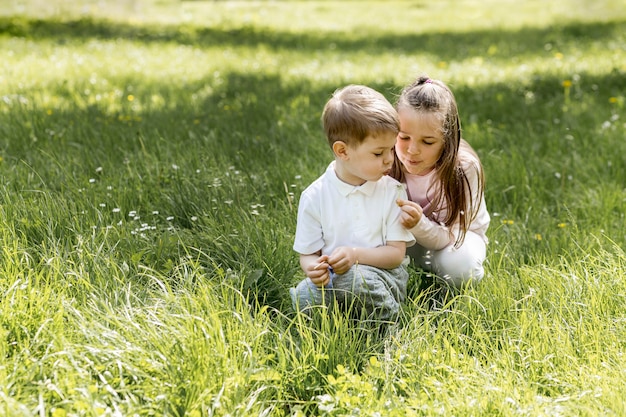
{"points": [[355, 112]]}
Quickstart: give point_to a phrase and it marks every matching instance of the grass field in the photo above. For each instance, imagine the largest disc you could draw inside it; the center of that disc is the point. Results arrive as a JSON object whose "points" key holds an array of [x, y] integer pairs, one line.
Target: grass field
{"points": [[151, 158]]}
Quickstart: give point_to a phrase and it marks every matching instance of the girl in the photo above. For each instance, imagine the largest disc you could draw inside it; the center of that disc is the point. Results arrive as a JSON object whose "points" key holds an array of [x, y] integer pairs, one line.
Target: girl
{"points": [[445, 210]]}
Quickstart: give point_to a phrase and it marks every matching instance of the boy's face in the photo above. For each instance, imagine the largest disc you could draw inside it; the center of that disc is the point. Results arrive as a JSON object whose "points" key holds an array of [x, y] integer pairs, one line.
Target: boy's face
{"points": [[367, 161]]}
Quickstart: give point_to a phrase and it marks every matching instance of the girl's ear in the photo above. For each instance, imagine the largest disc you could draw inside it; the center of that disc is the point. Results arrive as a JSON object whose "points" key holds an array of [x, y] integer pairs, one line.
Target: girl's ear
{"points": [[340, 150]]}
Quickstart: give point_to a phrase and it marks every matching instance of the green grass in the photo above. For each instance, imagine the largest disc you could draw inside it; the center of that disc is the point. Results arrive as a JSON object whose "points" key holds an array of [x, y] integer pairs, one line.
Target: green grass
{"points": [[151, 159]]}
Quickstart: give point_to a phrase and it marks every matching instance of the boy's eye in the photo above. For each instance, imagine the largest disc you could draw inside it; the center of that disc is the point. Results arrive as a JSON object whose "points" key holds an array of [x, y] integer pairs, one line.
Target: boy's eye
{"points": [[378, 154]]}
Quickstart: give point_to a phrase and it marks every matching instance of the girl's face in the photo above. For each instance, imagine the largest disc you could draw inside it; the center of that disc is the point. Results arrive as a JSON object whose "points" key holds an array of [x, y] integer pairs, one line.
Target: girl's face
{"points": [[420, 141]]}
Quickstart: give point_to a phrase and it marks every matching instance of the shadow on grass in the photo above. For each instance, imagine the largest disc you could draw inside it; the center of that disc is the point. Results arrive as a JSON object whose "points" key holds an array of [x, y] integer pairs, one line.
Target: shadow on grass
{"points": [[254, 115], [446, 45], [243, 130], [254, 122]]}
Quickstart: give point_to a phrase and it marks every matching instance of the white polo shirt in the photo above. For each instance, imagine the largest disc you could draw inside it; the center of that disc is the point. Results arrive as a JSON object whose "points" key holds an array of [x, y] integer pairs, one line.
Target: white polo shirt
{"points": [[332, 213]]}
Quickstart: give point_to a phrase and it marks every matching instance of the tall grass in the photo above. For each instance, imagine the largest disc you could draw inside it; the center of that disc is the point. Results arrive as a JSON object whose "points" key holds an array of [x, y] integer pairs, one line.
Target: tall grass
{"points": [[151, 159]]}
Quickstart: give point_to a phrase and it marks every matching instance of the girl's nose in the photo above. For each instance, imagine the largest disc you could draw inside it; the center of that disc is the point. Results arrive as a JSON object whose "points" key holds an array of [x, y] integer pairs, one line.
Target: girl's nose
{"points": [[414, 150]]}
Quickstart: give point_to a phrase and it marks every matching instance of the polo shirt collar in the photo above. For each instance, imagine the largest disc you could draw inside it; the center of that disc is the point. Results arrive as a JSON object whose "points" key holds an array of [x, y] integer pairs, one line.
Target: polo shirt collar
{"points": [[344, 188]]}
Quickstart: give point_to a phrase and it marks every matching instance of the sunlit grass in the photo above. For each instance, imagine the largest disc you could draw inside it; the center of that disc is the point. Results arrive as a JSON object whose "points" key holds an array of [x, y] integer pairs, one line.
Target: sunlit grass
{"points": [[151, 159]]}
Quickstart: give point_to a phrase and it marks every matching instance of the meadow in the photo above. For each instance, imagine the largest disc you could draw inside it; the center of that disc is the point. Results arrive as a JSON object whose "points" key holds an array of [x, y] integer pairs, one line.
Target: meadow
{"points": [[151, 158]]}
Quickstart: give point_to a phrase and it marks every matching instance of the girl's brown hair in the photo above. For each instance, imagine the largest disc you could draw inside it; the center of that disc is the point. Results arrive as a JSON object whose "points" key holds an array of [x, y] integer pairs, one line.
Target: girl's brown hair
{"points": [[453, 188]]}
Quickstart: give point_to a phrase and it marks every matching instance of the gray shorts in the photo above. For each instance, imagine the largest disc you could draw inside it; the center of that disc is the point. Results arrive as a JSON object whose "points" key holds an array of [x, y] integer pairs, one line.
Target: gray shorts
{"points": [[379, 292]]}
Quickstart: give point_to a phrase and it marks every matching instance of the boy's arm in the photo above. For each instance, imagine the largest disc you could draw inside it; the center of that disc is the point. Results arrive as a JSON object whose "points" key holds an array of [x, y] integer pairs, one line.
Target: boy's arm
{"points": [[316, 268], [385, 257]]}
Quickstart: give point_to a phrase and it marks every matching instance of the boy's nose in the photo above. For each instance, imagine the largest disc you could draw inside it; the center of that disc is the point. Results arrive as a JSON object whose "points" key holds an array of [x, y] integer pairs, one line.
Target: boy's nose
{"points": [[388, 159]]}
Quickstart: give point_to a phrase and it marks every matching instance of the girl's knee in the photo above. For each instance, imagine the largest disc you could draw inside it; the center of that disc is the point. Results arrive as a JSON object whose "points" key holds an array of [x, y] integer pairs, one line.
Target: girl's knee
{"points": [[461, 266], [459, 276]]}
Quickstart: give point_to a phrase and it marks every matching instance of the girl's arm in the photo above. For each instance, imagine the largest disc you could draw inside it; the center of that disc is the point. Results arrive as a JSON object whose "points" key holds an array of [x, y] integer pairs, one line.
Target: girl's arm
{"points": [[432, 235], [427, 233], [385, 257]]}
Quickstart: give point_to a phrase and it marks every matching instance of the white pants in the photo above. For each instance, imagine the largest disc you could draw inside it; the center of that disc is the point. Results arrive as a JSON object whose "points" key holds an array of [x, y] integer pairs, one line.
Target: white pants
{"points": [[455, 267]]}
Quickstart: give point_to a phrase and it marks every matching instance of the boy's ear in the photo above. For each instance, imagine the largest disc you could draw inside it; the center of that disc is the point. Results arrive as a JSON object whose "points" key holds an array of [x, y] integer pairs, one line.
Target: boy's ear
{"points": [[340, 149]]}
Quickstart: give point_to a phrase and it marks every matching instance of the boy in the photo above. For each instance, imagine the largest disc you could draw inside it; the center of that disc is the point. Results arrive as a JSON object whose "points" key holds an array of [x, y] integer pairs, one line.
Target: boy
{"points": [[351, 243]]}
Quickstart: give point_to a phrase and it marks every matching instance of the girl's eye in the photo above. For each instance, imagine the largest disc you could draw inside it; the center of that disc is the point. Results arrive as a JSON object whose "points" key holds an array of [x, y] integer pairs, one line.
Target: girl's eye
{"points": [[378, 154], [403, 137], [428, 143]]}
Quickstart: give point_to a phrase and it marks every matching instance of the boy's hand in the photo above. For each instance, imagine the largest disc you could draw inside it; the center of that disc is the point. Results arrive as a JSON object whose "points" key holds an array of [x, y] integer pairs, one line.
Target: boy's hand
{"points": [[342, 259], [411, 213], [318, 271]]}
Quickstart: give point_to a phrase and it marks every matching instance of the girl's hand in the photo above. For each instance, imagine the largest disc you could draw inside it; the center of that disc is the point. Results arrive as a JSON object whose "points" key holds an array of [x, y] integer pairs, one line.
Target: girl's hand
{"points": [[342, 259], [318, 271], [411, 213]]}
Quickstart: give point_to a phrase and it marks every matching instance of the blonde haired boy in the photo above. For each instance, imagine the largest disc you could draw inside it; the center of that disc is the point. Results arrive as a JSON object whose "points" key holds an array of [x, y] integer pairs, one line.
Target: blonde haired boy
{"points": [[351, 243]]}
